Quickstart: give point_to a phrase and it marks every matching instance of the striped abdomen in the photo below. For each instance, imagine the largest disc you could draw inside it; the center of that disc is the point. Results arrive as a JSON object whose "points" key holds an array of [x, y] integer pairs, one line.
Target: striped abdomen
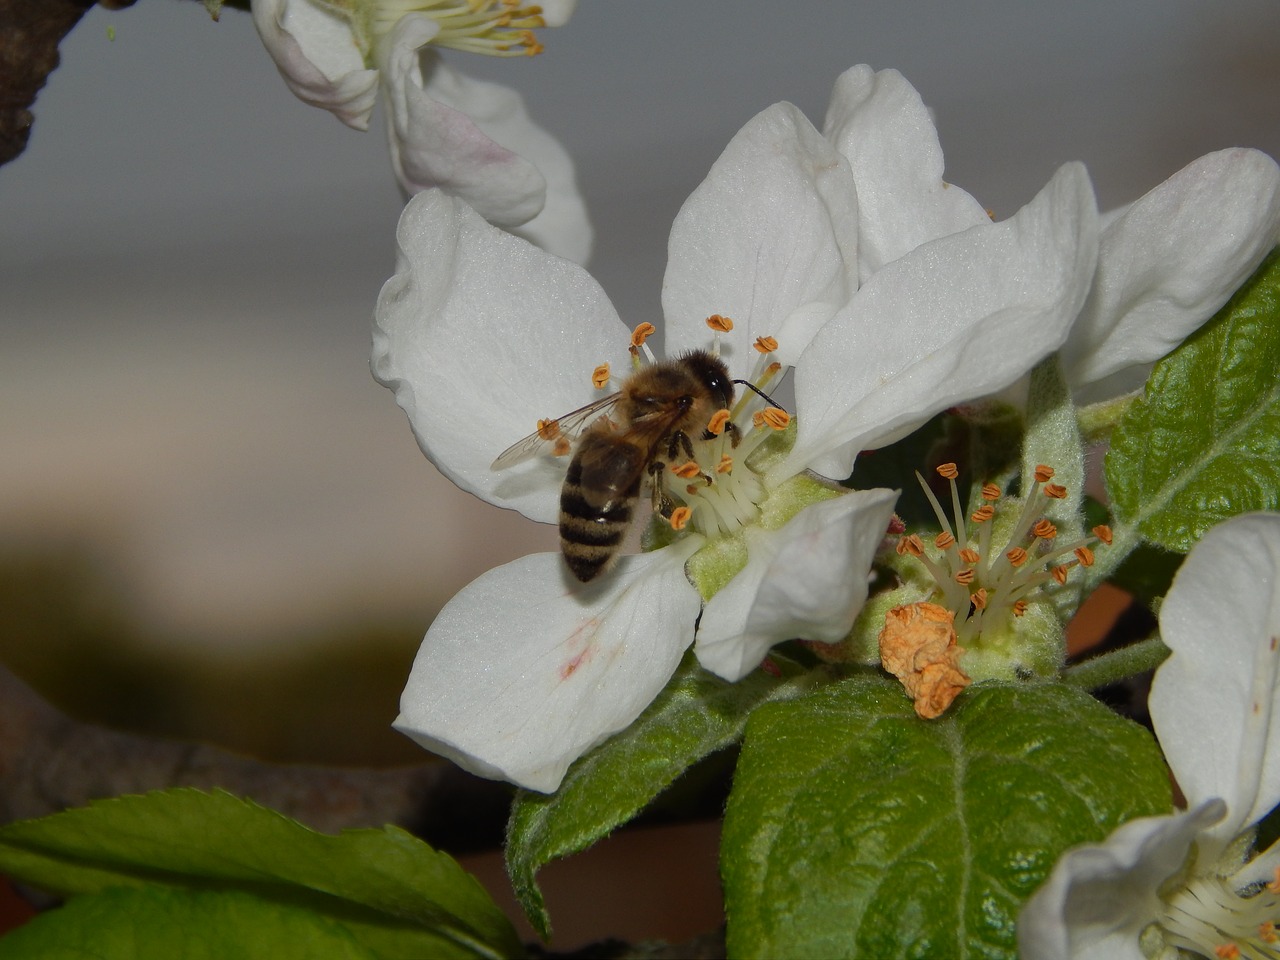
{"points": [[597, 502]]}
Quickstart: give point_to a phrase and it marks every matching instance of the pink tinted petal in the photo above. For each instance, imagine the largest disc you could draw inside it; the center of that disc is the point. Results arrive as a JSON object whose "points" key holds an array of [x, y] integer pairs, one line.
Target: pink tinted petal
{"points": [[481, 334], [1100, 896], [1215, 702], [955, 319], [315, 51], [768, 239], [881, 126], [435, 122], [1170, 261], [526, 669], [807, 580]]}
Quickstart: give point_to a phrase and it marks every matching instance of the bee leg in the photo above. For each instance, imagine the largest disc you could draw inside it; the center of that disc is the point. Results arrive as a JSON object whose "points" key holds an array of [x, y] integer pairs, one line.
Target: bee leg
{"points": [[662, 504], [679, 441], [735, 435]]}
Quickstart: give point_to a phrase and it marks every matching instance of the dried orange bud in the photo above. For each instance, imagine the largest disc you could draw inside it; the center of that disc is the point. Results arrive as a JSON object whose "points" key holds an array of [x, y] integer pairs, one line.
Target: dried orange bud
{"points": [[1103, 533], [969, 555], [719, 324], [680, 517], [548, 429], [600, 376], [948, 471], [918, 646], [1045, 530], [642, 333], [1085, 556], [766, 344], [990, 491], [716, 425], [1055, 491], [943, 540], [983, 513]]}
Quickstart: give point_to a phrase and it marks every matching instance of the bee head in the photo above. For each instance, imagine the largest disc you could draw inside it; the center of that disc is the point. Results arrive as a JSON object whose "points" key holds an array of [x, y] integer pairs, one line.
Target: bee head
{"points": [[713, 374]]}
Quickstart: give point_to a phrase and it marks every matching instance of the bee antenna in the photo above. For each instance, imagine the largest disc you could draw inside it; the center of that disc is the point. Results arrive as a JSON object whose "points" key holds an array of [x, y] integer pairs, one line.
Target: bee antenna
{"points": [[754, 389]]}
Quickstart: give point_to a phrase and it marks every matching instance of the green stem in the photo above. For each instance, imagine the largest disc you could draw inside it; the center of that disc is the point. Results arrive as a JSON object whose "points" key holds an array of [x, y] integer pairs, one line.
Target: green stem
{"points": [[1117, 665]]}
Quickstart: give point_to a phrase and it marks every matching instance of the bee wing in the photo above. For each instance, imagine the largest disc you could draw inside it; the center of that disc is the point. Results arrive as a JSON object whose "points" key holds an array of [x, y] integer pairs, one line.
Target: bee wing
{"points": [[562, 432]]}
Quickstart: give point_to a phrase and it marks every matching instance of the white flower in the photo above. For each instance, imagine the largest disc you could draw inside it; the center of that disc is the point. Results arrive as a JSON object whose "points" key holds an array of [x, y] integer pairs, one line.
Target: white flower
{"points": [[480, 334], [1185, 880], [472, 139], [1167, 263]]}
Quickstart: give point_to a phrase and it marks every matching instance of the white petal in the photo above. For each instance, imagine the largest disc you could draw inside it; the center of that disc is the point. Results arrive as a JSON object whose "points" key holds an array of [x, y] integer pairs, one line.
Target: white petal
{"points": [[522, 673], [481, 334], [768, 239], [807, 580], [437, 140], [879, 123], [955, 319], [557, 12], [1100, 896], [1169, 263], [561, 226], [316, 53], [1215, 702]]}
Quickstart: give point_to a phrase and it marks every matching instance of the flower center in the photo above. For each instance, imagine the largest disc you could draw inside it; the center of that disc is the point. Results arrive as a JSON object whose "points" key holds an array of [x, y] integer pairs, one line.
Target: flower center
{"points": [[499, 28], [1210, 918], [984, 588], [709, 486]]}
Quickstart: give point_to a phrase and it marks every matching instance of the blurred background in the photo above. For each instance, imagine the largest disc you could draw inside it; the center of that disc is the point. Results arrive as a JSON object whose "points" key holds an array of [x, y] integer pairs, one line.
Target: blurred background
{"points": [[213, 523]]}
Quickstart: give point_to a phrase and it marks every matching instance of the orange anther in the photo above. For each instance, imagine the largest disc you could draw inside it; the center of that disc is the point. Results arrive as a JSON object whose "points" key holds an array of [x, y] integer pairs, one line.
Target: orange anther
{"points": [[1019, 607], [1017, 556], [1267, 932], [1227, 951], [983, 513], [772, 369], [716, 425], [1043, 474], [948, 471], [1055, 491], [719, 324], [548, 429], [910, 544], [687, 470], [772, 417], [965, 576], [1059, 574], [969, 555], [979, 599], [1085, 556], [642, 333], [1045, 530], [990, 491], [1103, 533], [680, 517], [943, 540], [766, 344], [600, 376], [562, 447], [725, 465]]}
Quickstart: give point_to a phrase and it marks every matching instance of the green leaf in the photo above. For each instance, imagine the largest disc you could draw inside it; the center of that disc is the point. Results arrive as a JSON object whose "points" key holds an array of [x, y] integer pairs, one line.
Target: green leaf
{"points": [[387, 887], [857, 829], [697, 714], [165, 923], [1203, 444]]}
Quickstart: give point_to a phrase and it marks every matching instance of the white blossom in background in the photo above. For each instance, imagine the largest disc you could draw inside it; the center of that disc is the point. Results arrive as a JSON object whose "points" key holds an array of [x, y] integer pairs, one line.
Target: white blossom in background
{"points": [[480, 335], [1167, 263], [470, 138], [1189, 880]]}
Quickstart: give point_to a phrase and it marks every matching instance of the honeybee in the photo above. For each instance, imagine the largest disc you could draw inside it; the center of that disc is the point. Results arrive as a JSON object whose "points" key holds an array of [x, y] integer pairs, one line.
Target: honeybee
{"points": [[622, 437]]}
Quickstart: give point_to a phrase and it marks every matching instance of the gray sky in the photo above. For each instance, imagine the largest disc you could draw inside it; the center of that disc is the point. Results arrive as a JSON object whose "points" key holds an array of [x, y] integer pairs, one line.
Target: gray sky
{"points": [[189, 256]]}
